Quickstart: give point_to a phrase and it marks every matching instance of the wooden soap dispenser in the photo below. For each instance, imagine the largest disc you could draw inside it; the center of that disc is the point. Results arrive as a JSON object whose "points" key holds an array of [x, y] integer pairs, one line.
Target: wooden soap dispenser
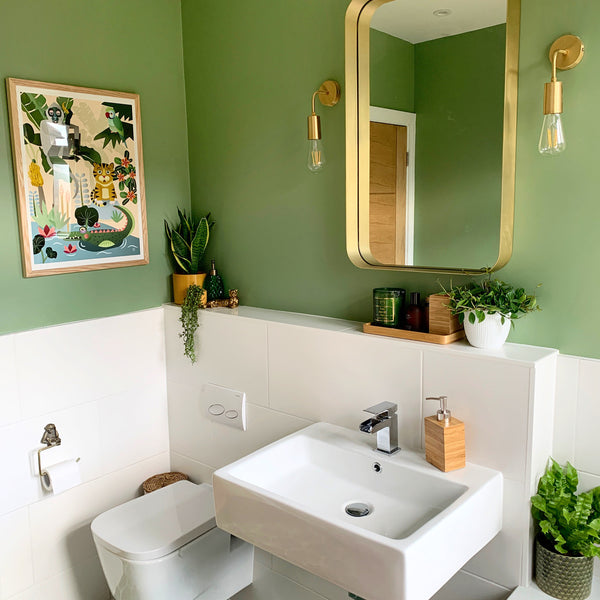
{"points": [[444, 439]]}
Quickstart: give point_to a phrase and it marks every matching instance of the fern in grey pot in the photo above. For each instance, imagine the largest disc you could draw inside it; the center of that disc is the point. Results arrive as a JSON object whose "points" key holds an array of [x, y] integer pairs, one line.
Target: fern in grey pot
{"points": [[569, 525]]}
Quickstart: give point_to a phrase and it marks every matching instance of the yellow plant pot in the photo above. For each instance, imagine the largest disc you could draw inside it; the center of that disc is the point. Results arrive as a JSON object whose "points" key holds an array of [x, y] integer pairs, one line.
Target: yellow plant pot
{"points": [[182, 282]]}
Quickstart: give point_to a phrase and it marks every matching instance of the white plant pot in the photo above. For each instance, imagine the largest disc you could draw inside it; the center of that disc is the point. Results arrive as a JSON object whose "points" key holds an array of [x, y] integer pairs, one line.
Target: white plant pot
{"points": [[490, 333]]}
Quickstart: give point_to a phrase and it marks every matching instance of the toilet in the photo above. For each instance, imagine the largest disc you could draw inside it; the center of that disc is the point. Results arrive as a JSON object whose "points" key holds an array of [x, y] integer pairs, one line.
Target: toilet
{"points": [[166, 546]]}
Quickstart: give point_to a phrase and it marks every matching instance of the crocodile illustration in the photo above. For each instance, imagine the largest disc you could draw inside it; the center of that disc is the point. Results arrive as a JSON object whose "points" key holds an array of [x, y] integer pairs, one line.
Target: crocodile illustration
{"points": [[96, 240]]}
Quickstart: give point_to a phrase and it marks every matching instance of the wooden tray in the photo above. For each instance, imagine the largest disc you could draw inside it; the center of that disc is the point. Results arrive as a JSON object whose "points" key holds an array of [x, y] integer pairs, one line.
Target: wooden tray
{"points": [[416, 336]]}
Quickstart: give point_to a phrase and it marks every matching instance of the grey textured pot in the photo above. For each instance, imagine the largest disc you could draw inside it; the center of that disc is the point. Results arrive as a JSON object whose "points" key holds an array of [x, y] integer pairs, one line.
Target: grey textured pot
{"points": [[564, 577]]}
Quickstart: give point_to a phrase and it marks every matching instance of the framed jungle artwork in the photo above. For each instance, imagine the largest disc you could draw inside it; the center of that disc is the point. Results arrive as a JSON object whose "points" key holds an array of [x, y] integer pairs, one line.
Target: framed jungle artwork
{"points": [[79, 177]]}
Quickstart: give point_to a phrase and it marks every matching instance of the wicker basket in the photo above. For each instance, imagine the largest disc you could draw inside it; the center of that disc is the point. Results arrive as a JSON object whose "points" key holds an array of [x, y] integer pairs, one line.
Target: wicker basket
{"points": [[162, 480], [564, 577]]}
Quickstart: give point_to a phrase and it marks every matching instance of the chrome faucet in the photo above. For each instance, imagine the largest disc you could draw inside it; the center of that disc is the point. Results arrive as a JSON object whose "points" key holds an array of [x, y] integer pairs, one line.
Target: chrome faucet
{"points": [[385, 424]]}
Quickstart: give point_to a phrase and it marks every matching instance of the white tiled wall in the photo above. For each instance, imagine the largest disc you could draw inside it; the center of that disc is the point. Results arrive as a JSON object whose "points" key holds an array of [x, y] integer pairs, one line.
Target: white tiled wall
{"points": [[576, 422], [297, 369], [103, 384]]}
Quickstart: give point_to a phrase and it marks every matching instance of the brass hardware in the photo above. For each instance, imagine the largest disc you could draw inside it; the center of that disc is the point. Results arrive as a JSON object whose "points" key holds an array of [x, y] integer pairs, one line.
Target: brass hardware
{"points": [[571, 50], [329, 95], [314, 127], [553, 104], [565, 53], [52, 440], [358, 20]]}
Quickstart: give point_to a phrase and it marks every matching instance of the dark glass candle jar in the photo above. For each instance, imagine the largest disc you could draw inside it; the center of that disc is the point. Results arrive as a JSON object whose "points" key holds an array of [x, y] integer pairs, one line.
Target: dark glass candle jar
{"points": [[388, 306]]}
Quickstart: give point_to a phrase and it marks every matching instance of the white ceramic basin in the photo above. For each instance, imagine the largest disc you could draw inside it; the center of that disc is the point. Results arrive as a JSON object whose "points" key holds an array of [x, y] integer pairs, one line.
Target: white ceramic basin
{"points": [[289, 498]]}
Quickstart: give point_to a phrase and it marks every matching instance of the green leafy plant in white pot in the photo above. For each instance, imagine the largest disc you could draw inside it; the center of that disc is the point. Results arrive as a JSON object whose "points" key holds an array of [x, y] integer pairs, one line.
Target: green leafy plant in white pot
{"points": [[569, 533], [488, 308]]}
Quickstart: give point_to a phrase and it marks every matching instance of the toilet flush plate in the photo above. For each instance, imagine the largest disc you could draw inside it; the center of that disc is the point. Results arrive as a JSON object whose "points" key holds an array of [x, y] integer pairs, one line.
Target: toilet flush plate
{"points": [[224, 405]]}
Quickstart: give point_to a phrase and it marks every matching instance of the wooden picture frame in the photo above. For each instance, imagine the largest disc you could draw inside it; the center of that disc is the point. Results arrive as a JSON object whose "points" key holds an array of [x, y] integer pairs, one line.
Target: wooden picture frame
{"points": [[79, 177]]}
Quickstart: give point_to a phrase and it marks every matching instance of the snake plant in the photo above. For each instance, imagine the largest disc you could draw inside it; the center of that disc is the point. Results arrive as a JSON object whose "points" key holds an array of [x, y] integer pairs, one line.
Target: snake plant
{"points": [[187, 242]]}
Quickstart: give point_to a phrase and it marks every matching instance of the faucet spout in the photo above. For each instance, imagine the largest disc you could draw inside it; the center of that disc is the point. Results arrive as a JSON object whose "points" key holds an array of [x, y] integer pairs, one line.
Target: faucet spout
{"points": [[373, 425], [384, 424]]}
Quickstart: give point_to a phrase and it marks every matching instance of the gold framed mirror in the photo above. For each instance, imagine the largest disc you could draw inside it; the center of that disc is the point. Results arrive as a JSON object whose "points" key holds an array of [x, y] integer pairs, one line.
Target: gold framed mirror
{"points": [[431, 113]]}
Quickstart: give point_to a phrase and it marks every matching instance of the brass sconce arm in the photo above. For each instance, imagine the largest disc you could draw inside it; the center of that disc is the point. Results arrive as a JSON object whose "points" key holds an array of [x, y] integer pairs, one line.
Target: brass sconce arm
{"points": [[329, 95]]}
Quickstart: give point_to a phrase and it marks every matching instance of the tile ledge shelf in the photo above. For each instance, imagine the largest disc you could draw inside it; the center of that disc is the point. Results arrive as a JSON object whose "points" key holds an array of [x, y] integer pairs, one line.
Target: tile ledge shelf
{"points": [[514, 353]]}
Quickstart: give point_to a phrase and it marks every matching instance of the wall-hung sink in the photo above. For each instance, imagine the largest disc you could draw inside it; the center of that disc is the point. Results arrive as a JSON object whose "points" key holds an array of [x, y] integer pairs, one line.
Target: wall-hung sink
{"points": [[382, 527]]}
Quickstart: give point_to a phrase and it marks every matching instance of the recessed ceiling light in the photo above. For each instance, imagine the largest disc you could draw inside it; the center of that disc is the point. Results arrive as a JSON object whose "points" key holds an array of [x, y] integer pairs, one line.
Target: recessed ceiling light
{"points": [[442, 12]]}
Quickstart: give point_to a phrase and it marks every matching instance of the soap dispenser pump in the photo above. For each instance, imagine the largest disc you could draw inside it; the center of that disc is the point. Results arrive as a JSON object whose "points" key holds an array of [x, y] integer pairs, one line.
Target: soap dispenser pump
{"points": [[444, 438]]}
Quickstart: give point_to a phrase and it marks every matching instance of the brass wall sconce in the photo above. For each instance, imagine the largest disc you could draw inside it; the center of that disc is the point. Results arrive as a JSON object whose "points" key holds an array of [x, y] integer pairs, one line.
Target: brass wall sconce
{"points": [[329, 94], [565, 53]]}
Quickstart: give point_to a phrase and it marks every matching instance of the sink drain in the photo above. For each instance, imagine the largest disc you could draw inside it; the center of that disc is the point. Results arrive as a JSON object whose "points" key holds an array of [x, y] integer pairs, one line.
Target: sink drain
{"points": [[358, 509]]}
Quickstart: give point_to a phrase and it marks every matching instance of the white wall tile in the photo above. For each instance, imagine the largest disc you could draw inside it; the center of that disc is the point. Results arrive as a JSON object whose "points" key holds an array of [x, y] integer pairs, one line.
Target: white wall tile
{"points": [[500, 560], [268, 585], [587, 457], [231, 352], [78, 428], [565, 409], [85, 581], [133, 426], [73, 362], [197, 471], [333, 376], [193, 435], [9, 395], [308, 580], [492, 398], [16, 567], [465, 586], [60, 525]]}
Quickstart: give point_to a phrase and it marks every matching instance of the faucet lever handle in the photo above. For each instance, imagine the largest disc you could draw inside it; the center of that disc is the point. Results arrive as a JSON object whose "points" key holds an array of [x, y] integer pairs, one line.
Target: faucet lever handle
{"points": [[383, 409]]}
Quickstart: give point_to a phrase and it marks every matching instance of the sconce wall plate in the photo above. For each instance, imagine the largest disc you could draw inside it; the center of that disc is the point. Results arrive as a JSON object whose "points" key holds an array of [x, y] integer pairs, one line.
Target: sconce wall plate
{"points": [[574, 48], [329, 93]]}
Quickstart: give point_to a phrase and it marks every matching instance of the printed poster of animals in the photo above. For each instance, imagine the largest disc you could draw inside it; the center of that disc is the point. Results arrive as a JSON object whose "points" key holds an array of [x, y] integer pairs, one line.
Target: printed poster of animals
{"points": [[79, 177]]}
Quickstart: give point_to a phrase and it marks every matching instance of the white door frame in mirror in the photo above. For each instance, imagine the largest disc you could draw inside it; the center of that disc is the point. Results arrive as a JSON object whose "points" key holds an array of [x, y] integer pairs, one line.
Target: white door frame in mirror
{"points": [[358, 20], [408, 120]]}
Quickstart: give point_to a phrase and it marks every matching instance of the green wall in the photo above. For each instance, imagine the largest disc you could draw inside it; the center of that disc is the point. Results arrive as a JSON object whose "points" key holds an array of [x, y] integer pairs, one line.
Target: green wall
{"points": [[459, 87], [131, 46], [392, 76], [250, 70]]}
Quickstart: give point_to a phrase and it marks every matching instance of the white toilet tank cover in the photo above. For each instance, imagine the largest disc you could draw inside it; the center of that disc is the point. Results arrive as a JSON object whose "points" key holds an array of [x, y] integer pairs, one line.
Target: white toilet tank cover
{"points": [[158, 523]]}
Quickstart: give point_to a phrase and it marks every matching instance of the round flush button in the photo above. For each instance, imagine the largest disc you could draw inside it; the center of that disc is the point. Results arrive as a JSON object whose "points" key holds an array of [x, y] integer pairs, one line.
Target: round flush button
{"points": [[231, 414], [216, 409]]}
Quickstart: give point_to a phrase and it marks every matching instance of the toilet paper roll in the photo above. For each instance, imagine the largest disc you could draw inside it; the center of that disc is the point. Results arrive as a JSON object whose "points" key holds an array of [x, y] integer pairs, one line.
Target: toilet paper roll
{"points": [[62, 476]]}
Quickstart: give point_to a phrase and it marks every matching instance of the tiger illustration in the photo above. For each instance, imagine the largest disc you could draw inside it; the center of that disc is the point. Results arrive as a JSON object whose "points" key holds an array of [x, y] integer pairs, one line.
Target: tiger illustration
{"points": [[104, 192]]}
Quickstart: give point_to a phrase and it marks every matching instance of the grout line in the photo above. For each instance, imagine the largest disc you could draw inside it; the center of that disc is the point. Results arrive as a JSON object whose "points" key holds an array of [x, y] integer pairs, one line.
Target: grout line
{"points": [[193, 460], [268, 364], [484, 580]]}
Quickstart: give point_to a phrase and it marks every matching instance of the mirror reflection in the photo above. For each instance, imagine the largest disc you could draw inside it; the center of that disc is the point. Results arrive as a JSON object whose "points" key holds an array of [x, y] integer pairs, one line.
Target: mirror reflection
{"points": [[436, 132]]}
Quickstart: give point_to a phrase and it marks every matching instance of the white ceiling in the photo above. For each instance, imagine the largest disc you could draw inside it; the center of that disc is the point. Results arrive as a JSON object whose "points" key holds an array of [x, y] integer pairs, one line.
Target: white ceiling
{"points": [[414, 21]]}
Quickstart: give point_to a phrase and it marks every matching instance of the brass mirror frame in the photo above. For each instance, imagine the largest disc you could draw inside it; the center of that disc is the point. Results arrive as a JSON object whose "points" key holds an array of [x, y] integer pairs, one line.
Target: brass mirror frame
{"points": [[358, 21]]}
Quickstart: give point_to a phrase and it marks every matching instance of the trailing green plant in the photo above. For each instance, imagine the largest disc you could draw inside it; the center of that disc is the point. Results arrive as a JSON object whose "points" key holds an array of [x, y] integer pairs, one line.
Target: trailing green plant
{"points": [[187, 242], [189, 319], [490, 296], [570, 523]]}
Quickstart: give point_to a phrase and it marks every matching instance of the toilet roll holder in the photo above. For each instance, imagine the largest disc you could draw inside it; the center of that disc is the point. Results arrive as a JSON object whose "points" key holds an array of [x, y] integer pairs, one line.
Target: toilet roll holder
{"points": [[52, 440]]}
